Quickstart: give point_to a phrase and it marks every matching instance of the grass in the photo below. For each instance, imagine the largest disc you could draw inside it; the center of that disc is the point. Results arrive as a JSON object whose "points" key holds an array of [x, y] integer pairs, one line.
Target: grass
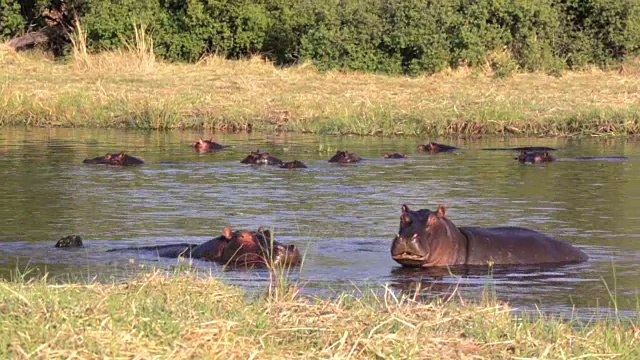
{"points": [[131, 89], [188, 316]]}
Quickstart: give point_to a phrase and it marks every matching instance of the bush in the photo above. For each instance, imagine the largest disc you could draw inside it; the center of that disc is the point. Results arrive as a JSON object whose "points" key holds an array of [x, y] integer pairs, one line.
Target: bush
{"points": [[11, 20], [391, 36]]}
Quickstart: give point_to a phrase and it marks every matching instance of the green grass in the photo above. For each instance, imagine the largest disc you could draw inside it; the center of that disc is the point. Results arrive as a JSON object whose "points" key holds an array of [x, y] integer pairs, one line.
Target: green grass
{"points": [[189, 316], [133, 90]]}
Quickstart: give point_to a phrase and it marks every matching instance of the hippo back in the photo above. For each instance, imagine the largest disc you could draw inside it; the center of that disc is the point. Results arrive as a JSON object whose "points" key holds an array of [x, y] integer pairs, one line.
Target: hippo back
{"points": [[210, 250], [517, 246]]}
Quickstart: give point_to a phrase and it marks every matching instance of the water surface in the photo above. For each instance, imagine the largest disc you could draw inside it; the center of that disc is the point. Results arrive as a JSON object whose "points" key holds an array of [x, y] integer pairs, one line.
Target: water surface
{"points": [[343, 216]]}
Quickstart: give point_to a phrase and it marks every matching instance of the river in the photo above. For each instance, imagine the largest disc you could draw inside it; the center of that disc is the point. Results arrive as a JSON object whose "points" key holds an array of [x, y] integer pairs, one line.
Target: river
{"points": [[343, 217]]}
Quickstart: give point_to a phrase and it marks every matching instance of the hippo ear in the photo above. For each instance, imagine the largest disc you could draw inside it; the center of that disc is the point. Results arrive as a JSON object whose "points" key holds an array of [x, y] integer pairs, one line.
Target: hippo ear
{"points": [[441, 211], [405, 208], [264, 232], [227, 233]]}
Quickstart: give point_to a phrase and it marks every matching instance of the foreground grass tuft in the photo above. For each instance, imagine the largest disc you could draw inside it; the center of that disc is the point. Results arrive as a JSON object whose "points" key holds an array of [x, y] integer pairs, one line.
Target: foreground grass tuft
{"points": [[186, 316], [133, 90]]}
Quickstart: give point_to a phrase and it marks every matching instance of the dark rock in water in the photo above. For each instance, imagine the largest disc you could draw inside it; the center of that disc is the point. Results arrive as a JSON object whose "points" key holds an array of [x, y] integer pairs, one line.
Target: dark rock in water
{"points": [[70, 241]]}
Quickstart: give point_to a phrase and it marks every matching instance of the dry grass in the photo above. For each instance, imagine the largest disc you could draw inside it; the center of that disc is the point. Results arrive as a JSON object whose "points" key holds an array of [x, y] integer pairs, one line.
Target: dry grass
{"points": [[116, 91], [186, 317]]}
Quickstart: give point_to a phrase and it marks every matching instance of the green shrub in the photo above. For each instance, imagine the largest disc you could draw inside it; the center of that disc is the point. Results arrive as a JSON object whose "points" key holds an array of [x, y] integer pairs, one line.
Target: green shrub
{"points": [[391, 36], [11, 20]]}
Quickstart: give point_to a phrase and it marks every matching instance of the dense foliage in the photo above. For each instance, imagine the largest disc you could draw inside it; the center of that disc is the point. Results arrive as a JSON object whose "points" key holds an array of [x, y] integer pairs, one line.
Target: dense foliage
{"points": [[393, 36]]}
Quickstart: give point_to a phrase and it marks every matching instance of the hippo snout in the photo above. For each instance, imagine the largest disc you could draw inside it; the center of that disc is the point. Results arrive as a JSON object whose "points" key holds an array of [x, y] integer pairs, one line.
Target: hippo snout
{"points": [[408, 251], [286, 255]]}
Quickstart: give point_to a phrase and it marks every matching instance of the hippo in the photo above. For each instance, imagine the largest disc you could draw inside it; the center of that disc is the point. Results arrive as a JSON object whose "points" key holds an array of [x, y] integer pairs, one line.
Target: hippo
{"points": [[435, 148], [120, 159], [535, 157], [70, 241], [344, 157], [203, 146], [522, 148], [538, 157], [295, 164], [261, 158], [233, 248], [395, 156], [428, 239]]}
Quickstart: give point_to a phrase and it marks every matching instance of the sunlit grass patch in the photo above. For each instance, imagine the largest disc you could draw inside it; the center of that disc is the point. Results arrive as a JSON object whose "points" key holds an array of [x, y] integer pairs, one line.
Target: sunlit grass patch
{"points": [[190, 316], [132, 89]]}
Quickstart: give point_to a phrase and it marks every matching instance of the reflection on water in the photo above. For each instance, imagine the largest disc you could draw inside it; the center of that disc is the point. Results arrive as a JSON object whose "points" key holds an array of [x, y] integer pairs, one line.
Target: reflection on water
{"points": [[343, 216]]}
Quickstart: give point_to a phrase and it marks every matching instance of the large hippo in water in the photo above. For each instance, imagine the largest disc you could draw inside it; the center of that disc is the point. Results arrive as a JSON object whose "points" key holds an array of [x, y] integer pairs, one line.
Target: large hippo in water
{"points": [[233, 248], [429, 239], [120, 159]]}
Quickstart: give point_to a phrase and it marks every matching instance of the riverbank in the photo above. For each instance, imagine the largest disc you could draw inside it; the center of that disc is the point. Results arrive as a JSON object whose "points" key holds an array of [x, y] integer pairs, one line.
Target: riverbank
{"points": [[184, 316], [129, 91]]}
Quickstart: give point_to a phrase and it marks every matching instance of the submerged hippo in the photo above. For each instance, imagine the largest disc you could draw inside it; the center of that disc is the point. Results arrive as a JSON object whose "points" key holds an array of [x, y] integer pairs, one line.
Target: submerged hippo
{"points": [[261, 158], [535, 157], [395, 156], [70, 241], [233, 248], [429, 239], [344, 157], [295, 164], [120, 159], [207, 145], [539, 157], [435, 148]]}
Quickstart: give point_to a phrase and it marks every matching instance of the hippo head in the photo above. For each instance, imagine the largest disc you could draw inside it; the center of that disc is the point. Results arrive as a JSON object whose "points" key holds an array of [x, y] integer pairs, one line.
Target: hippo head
{"points": [[98, 160], [344, 157], [295, 164], [420, 237], [70, 241], [123, 159], [535, 157], [206, 145], [395, 156], [261, 158], [256, 248], [436, 148], [202, 145]]}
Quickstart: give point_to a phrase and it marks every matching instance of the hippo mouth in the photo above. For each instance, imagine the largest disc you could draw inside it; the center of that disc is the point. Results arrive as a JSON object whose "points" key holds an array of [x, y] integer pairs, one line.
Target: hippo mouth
{"points": [[409, 259]]}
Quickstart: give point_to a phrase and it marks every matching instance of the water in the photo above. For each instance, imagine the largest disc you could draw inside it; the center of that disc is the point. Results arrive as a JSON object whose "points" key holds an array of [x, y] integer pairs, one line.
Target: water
{"points": [[342, 216]]}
